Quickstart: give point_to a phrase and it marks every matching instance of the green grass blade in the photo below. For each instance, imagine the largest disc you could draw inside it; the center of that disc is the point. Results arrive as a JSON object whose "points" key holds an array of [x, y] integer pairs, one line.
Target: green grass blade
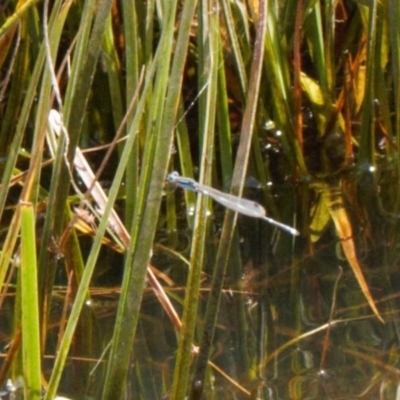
{"points": [[208, 72], [278, 74], [18, 14], [223, 123], [114, 73], [366, 152], [133, 47], [235, 43], [78, 62], [30, 305]]}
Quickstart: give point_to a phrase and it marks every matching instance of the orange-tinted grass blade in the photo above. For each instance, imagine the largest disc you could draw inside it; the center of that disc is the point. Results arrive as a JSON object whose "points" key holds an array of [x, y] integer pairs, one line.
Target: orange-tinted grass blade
{"points": [[344, 231]]}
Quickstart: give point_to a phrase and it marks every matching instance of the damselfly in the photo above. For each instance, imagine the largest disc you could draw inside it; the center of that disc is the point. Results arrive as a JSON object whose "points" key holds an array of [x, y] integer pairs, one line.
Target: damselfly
{"points": [[238, 204]]}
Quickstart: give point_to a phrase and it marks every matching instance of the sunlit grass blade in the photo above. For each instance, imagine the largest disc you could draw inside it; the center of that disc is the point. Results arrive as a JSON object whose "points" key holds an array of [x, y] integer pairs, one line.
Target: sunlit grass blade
{"points": [[16, 16], [30, 305], [366, 152], [345, 233], [278, 77]]}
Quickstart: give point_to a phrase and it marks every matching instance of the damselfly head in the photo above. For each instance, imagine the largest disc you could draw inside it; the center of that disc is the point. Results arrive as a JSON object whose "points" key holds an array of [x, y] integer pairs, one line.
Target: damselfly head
{"points": [[172, 177]]}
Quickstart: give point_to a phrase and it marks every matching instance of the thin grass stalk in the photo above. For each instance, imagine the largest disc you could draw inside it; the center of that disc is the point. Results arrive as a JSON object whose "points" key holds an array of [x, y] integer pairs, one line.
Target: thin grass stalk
{"points": [[113, 73], [18, 14], [79, 58], [148, 38], [47, 265], [278, 75], [10, 45], [316, 44], [238, 316], [208, 44], [30, 305], [239, 336], [284, 12], [74, 265], [152, 183], [41, 119], [243, 19], [394, 35], [230, 217], [223, 123], [133, 43], [73, 258], [258, 166], [234, 42], [19, 84], [366, 157], [297, 114], [18, 81], [133, 47], [329, 41], [185, 159], [382, 101], [171, 223], [35, 27]]}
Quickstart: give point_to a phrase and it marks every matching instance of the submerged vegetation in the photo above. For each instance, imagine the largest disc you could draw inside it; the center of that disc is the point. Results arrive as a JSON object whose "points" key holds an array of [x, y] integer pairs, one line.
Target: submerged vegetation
{"points": [[114, 284]]}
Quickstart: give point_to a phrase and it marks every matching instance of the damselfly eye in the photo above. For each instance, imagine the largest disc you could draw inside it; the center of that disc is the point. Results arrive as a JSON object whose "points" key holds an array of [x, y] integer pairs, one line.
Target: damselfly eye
{"points": [[172, 177]]}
